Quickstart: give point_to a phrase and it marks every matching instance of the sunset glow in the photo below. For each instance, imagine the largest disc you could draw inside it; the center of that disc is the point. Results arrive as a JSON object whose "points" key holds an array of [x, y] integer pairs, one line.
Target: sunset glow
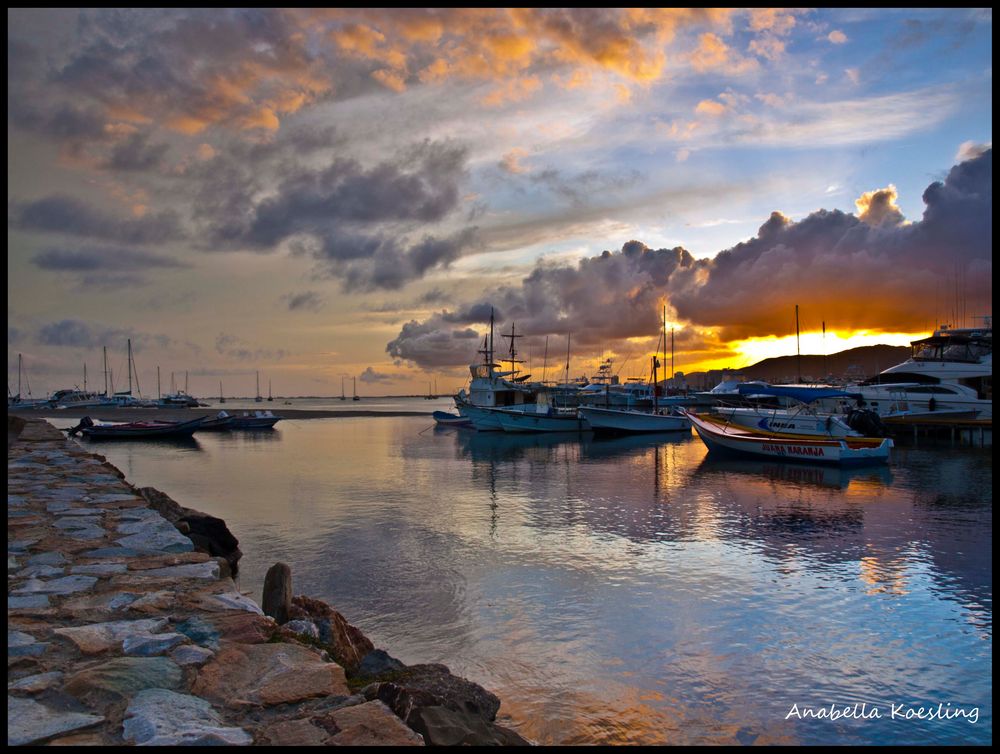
{"points": [[317, 193]]}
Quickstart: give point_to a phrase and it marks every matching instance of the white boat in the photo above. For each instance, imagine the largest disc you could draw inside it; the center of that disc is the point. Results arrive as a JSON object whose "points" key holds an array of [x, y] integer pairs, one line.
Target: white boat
{"points": [[722, 438], [802, 417], [950, 371], [626, 421], [542, 418]]}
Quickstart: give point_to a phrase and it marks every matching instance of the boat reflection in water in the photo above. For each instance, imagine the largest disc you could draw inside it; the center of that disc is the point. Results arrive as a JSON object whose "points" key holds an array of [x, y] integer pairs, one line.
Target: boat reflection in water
{"points": [[799, 473]]}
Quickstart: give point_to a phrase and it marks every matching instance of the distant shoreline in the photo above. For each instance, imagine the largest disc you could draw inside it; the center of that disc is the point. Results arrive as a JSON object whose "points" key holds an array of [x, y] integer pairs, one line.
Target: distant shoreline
{"points": [[180, 414]]}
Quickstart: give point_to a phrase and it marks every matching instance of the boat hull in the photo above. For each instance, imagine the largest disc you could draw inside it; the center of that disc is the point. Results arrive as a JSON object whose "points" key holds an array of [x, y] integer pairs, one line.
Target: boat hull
{"points": [[445, 419], [723, 440], [142, 430], [609, 420], [528, 421]]}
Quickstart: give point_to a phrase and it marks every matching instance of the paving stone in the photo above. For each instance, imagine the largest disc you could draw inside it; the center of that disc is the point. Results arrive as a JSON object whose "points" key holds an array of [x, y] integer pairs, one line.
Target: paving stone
{"points": [[27, 602], [122, 677], [149, 646], [208, 571], [99, 637], [156, 717], [100, 569], [33, 684], [189, 654], [40, 571], [64, 585], [30, 722], [230, 601], [157, 541], [47, 558]]}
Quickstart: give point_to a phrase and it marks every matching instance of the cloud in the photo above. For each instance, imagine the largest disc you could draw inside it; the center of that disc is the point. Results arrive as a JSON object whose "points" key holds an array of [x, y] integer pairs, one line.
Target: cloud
{"points": [[234, 347], [306, 300], [373, 377], [75, 333], [837, 37], [64, 214], [106, 258], [861, 272], [855, 272]]}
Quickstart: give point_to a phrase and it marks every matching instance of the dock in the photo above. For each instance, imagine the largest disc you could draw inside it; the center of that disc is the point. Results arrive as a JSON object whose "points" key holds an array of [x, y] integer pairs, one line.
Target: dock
{"points": [[976, 432]]}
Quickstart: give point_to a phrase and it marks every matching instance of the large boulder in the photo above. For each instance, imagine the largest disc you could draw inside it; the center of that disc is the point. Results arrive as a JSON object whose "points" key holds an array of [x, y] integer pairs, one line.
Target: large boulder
{"points": [[345, 643]]}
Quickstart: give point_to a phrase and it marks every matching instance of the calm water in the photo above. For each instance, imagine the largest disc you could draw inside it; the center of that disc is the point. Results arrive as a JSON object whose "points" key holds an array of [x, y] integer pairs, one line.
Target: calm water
{"points": [[626, 590]]}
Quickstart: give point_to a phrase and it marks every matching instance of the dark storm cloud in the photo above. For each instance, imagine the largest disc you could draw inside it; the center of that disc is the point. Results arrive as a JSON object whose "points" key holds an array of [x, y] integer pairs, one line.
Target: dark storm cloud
{"points": [[873, 272], [850, 273], [63, 214], [136, 153]]}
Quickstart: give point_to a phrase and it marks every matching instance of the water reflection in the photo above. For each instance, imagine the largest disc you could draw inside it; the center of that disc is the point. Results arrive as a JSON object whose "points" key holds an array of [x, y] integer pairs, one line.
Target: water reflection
{"points": [[627, 590]]}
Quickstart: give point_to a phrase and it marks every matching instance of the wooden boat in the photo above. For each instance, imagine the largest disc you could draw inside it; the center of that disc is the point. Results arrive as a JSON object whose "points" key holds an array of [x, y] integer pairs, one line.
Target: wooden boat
{"points": [[720, 437], [451, 420], [139, 430], [627, 421]]}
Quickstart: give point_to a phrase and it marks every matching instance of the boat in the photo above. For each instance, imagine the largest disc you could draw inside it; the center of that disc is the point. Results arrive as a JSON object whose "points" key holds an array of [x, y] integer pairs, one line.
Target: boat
{"points": [[222, 398], [949, 371], [491, 388], [802, 418], [220, 422], [256, 420], [628, 421], [258, 399], [540, 417], [723, 438], [139, 430], [445, 419], [17, 401], [355, 398], [342, 396], [269, 398]]}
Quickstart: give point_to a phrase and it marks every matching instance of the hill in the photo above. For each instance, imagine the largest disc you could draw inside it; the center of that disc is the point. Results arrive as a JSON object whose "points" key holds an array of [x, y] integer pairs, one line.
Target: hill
{"points": [[855, 363]]}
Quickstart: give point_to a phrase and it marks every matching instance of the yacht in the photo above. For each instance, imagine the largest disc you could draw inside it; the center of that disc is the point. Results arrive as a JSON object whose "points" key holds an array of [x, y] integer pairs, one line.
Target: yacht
{"points": [[950, 372]]}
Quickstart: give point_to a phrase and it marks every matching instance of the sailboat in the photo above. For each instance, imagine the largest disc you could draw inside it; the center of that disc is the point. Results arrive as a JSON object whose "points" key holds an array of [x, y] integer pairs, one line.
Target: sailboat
{"points": [[430, 396], [269, 390], [222, 398], [356, 398], [258, 399], [342, 396], [16, 401]]}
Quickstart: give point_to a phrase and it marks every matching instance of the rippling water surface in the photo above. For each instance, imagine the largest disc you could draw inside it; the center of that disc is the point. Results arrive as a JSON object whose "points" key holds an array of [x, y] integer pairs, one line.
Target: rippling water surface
{"points": [[629, 590]]}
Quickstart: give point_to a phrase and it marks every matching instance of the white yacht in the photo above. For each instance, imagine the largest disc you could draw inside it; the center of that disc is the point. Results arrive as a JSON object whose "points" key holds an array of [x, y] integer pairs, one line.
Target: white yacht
{"points": [[950, 372]]}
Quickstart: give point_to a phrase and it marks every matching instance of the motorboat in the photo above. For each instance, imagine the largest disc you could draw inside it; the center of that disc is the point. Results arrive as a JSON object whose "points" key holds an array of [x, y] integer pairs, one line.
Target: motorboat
{"points": [[802, 417], [139, 430], [255, 420], [950, 372], [222, 421], [444, 419], [541, 417], [722, 438], [628, 421]]}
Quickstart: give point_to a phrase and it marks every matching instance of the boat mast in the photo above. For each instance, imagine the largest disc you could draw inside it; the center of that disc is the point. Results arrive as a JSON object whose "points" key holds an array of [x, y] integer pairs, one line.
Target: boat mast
{"points": [[130, 366], [19, 375], [158, 396], [798, 350], [545, 358], [85, 376], [105, 371], [569, 336], [491, 341]]}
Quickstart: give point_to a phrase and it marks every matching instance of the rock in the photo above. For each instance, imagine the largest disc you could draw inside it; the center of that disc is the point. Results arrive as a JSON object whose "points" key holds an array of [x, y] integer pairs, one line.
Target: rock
{"points": [[295, 733], [207, 533], [149, 646], [371, 724], [377, 663], [268, 674], [302, 628], [230, 601], [441, 726], [33, 684], [191, 655], [100, 637], [345, 643], [277, 597], [434, 685], [123, 677], [31, 722], [64, 585], [157, 717]]}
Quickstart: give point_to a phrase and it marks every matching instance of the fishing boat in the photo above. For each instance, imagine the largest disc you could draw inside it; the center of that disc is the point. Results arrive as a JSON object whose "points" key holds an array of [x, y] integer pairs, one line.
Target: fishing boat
{"points": [[723, 438], [628, 421], [140, 430], [540, 417], [443, 418]]}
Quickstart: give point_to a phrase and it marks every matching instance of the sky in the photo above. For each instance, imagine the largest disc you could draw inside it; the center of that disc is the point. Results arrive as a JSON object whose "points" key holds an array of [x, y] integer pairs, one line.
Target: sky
{"points": [[318, 195]]}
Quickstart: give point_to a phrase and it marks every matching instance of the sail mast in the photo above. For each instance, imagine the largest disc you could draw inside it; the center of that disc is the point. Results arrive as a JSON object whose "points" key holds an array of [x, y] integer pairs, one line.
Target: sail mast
{"points": [[798, 350]]}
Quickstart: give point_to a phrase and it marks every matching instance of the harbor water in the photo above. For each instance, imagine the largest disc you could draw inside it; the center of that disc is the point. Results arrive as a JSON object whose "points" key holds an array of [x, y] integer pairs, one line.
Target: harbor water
{"points": [[628, 590]]}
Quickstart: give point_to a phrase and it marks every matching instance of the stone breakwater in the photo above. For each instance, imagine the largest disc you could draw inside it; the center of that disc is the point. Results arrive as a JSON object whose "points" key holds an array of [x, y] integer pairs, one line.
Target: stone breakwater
{"points": [[124, 626]]}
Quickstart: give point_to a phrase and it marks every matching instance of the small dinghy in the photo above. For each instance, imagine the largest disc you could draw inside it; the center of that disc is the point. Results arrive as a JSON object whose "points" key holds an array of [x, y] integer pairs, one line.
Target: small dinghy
{"points": [[139, 430], [451, 420]]}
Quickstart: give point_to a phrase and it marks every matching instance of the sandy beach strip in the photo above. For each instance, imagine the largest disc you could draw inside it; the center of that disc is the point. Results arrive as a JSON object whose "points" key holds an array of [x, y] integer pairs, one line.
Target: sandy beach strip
{"points": [[186, 414]]}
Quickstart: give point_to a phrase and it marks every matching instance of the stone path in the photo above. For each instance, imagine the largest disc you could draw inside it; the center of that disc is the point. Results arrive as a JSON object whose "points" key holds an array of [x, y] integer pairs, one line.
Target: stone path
{"points": [[118, 632]]}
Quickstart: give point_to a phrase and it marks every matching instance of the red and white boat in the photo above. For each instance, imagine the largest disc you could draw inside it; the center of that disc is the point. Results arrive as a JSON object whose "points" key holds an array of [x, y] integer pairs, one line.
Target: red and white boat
{"points": [[720, 437]]}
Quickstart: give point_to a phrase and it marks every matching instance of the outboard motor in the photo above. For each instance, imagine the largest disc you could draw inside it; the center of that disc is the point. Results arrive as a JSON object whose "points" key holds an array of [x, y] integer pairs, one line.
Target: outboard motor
{"points": [[867, 422], [84, 423]]}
